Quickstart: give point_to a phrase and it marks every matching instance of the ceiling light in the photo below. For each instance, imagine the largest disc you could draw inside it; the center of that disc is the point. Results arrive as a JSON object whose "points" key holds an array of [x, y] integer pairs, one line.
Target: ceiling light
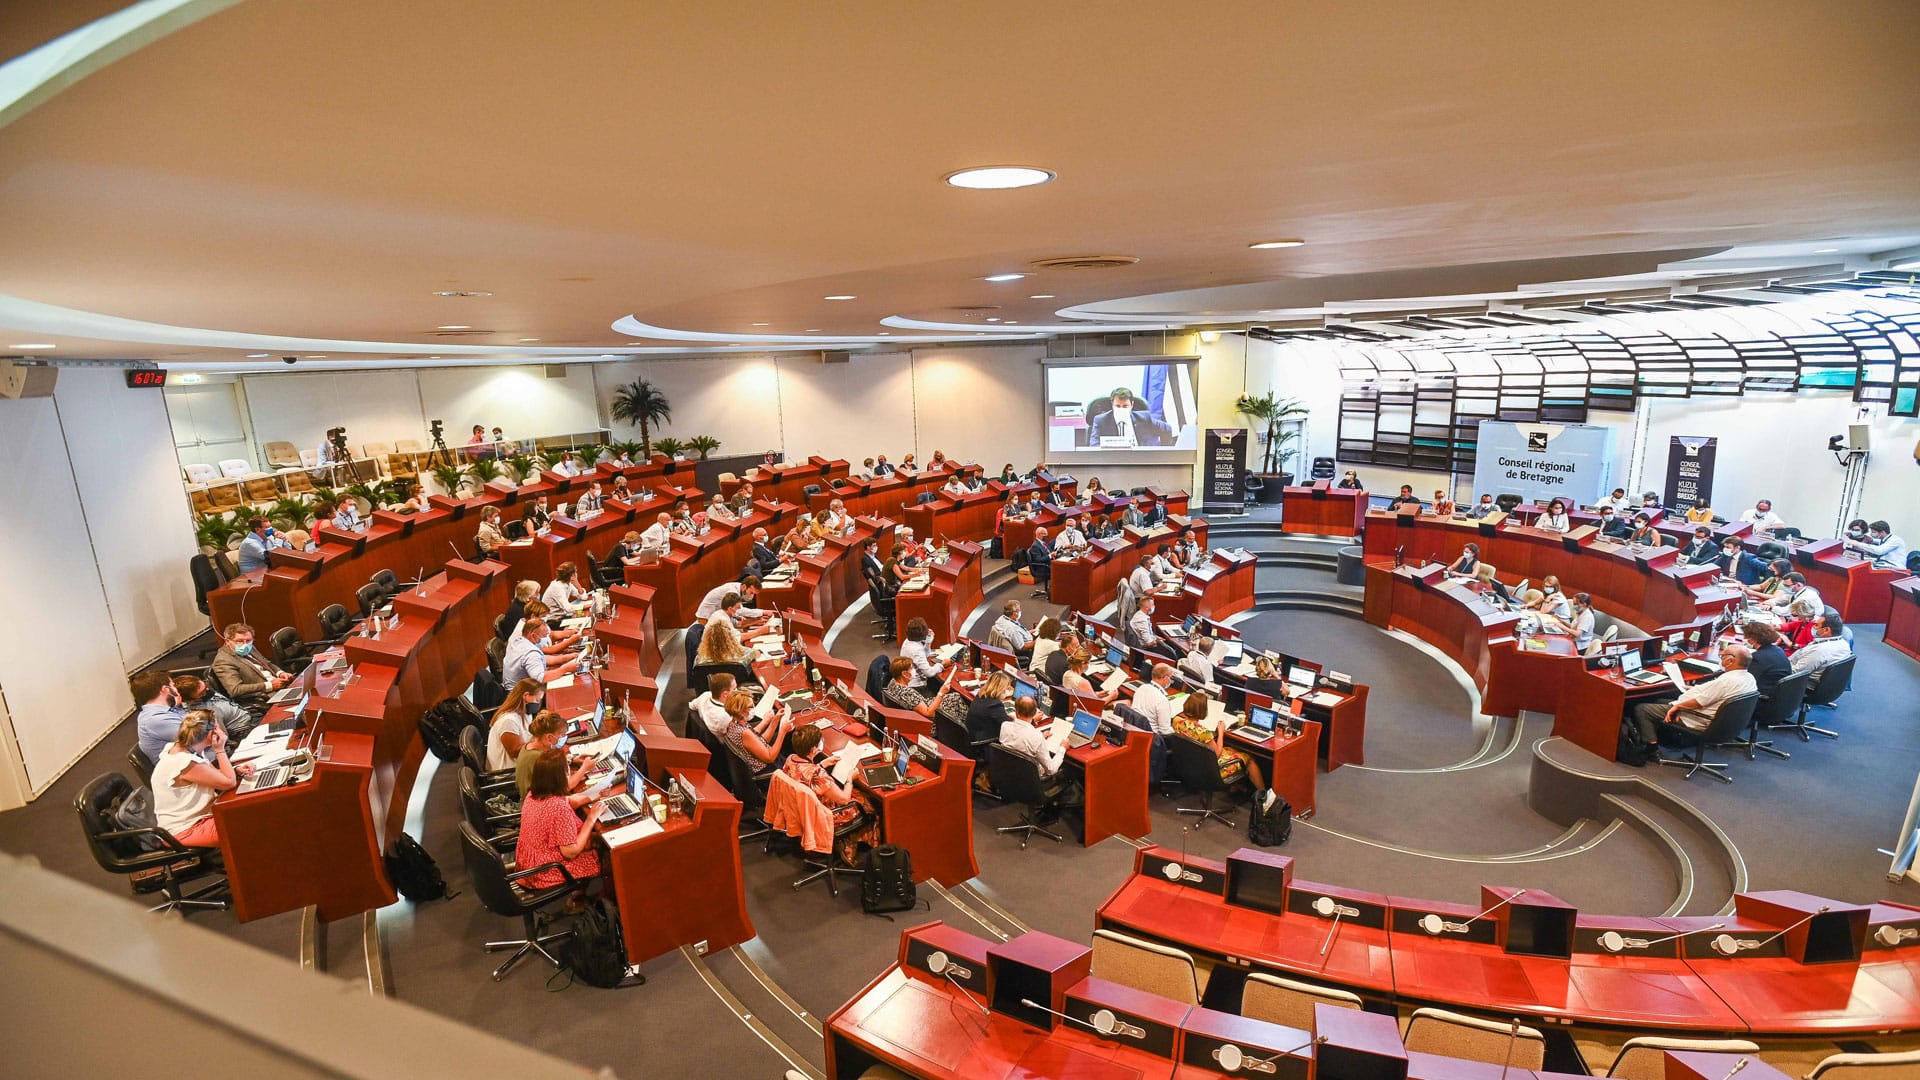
{"points": [[453, 328], [35, 345], [813, 329], [998, 177], [885, 333], [462, 293], [526, 340], [258, 355], [1041, 296], [1003, 277], [318, 356], [1826, 251], [1265, 244], [1896, 266], [1209, 336], [762, 324], [842, 296], [993, 318]]}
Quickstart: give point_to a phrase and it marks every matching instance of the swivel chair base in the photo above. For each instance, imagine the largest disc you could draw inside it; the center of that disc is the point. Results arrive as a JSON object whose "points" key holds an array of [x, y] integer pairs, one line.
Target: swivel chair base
{"points": [[1026, 829], [1804, 728], [1717, 769], [829, 871], [535, 941], [1206, 812], [215, 896]]}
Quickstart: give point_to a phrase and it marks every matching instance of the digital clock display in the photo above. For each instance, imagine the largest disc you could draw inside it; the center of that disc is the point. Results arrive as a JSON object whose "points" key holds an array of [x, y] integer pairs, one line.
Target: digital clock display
{"points": [[137, 377]]}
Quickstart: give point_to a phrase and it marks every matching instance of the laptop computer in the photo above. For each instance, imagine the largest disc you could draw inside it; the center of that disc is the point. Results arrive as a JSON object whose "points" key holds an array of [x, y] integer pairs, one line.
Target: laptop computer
{"points": [[1633, 669], [1023, 688], [1116, 656], [1086, 728], [298, 688], [1227, 654], [1301, 677], [1188, 624], [1261, 721], [619, 808]]}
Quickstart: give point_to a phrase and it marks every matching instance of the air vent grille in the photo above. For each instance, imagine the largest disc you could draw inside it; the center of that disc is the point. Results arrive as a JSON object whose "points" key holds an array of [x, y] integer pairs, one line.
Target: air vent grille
{"points": [[1085, 262]]}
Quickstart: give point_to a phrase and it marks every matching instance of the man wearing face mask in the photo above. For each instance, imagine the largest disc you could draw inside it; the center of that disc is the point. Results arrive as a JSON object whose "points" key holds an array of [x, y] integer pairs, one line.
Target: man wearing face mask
{"points": [[243, 673], [158, 722], [1129, 422], [252, 554]]}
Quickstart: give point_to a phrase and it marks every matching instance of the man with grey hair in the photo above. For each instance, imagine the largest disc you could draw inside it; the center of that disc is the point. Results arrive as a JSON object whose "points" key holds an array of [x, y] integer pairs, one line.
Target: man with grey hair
{"points": [[1695, 709]]}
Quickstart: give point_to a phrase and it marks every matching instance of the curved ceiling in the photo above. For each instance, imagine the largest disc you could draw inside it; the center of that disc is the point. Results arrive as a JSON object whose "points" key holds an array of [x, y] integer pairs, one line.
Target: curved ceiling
{"points": [[322, 170]]}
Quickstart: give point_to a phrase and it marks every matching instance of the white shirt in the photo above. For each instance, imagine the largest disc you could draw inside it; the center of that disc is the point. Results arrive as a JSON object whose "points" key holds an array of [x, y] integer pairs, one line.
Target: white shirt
{"points": [[1888, 554], [1151, 702], [1804, 604], [1609, 501], [567, 468], [654, 537], [1123, 423], [1582, 629], [178, 808], [924, 669], [1042, 648], [1197, 666], [956, 487], [347, 518], [506, 723], [1710, 695], [1164, 570], [1069, 539], [1140, 581], [710, 603], [1552, 522], [1819, 653], [561, 595], [1026, 740], [1142, 627], [1759, 520], [523, 660], [711, 713]]}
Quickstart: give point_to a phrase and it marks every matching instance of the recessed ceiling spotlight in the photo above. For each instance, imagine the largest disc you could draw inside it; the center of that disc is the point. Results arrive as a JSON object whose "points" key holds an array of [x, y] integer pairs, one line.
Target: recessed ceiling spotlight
{"points": [[317, 356], [462, 293], [762, 324], [1266, 244], [1041, 296], [993, 318], [998, 177], [840, 296], [35, 345], [258, 355], [813, 329], [1825, 251], [453, 328], [886, 333], [996, 278], [527, 340]]}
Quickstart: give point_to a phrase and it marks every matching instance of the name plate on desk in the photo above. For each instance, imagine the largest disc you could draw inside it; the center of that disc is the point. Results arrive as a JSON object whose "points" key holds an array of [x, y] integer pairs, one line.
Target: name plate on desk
{"points": [[1192, 874]]}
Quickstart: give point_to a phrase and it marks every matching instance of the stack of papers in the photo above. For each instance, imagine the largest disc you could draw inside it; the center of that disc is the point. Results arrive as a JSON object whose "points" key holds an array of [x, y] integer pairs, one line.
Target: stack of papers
{"points": [[850, 758], [1324, 699], [947, 652], [561, 683], [639, 829]]}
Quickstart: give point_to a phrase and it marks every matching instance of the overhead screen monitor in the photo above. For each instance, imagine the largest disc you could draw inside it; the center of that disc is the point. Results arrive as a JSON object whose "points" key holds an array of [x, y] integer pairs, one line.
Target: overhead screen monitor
{"points": [[1120, 407]]}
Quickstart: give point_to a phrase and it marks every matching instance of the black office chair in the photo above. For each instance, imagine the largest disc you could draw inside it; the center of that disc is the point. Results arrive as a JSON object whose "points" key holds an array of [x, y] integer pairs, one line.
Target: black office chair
{"points": [[515, 530], [140, 763], [878, 675], [1774, 710], [1728, 721], [206, 578], [1254, 486], [335, 623], [497, 658], [602, 579], [473, 753], [884, 603], [1016, 778], [1197, 768], [1323, 468], [1506, 502], [695, 631], [926, 497], [371, 599], [151, 859], [492, 824], [954, 735], [697, 730], [810, 490], [1835, 679], [500, 892], [389, 583], [750, 788], [500, 627], [703, 673]]}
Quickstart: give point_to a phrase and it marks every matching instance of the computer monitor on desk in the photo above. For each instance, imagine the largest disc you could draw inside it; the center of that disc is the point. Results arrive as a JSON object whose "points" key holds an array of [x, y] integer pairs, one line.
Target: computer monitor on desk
{"points": [[1301, 677], [1116, 656]]}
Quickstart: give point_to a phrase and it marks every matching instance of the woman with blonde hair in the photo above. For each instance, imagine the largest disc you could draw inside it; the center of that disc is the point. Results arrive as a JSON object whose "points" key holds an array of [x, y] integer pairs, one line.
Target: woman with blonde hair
{"points": [[1076, 681], [185, 780], [508, 734], [720, 644]]}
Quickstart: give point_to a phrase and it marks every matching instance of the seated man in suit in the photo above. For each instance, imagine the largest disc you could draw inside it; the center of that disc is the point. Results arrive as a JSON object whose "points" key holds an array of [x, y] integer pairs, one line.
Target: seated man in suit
{"points": [[1702, 551], [1141, 633], [1406, 501], [1695, 709], [1152, 514], [1126, 422], [243, 673], [762, 561], [1612, 525], [881, 467], [1040, 561]]}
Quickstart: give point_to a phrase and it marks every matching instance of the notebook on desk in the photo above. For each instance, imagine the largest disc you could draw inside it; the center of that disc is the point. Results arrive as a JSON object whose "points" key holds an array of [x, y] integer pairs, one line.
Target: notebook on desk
{"points": [[1115, 678]]}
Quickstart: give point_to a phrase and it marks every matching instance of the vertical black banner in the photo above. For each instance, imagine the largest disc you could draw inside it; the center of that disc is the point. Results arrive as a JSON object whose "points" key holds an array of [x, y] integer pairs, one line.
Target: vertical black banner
{"points": [[1224, 459], [1690, 471]]}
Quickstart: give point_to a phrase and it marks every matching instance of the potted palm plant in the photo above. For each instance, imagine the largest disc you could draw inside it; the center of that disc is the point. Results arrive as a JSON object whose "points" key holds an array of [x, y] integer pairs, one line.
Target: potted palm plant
{"points": [[485, 471], [449, 477], [589, 454], [518, 468], [703, 445], [1273, 411], [643, 405], [670, 446], [215, 531]]}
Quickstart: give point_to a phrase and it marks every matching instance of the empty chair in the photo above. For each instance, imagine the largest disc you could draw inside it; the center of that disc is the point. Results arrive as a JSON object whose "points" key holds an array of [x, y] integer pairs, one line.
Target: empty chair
{"points": [[1775, 709], [486, 821], [1728, 721], [388, 581], [1197, 768], [487, 692], [1016, 778], [500, 892], [1452, 1034], [1834, 680], [206, 578], [281, 455], [691, 639], [1645, 1058], [1146, 966], [1285, 1001], [884, 604], [811, 490], [954, 735], [335, 623], [371, 599], [496, 657], [288, 650], [140, 763], [473, 751], [1901, 1066], [150, 858], [236, 468], [1253, 486]]}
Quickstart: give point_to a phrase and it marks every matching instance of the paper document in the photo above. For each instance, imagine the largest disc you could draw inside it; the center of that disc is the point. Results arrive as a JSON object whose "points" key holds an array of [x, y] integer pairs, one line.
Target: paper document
{"points": [[640, 828], [1324, 699], [1113, 680], [765, 704], [850, 758], [561, 683], [578, 623], [947, 652], [1217, 653], [1058, 731], [1674, 674]]}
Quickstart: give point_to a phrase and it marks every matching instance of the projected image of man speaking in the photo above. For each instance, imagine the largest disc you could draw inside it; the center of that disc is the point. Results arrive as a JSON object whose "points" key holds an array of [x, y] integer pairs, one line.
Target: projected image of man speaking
{"points": [[1129, 423]]}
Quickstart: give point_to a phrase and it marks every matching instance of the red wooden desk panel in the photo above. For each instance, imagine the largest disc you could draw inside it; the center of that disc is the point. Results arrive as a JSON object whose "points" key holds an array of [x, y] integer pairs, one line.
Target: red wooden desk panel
{"points": [[1220, 587], [1087, 583], [1903, 617], [1291, 763], [683, 885], [953, 590], [1590, 989], [1324, 509], [1116, 784]]}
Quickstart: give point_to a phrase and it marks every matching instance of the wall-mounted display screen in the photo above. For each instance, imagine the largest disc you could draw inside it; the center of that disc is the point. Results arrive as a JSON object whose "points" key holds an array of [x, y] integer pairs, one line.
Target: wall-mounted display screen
{"points": [[1135, 404]]}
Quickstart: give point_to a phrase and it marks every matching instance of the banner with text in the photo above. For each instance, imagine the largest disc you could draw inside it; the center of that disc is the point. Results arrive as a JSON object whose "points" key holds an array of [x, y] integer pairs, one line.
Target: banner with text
{"points": [[1225, 457], [1690, 470], [1541, 461]]}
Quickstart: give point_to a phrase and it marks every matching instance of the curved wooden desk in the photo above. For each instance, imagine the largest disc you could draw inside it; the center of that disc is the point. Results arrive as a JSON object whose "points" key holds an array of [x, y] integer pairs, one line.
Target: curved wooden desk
{"points": [[953, 590], [694, 565], [1219, 587], [1088, 582], [958, 517], [1323, 509], [825, 585], [1536, 957], [1903, 617]]}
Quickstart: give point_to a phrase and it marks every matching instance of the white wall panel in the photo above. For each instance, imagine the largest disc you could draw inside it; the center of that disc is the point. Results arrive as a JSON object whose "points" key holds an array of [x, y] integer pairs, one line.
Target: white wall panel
{"points": [[980, 404], [374, 406], [733, 399], [520, 400], [63, 690], [852, 410], [121, 447]]}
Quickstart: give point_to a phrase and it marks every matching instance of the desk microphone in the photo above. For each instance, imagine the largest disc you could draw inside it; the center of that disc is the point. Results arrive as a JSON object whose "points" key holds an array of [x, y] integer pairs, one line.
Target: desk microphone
{"points": [[939, 964], [1103, 1022], [1435, 925], [456, 551], [1894, 935], [1231, 1057], [1737, 1066], [1824, 908], [1614, 942], [1513, 1036], [1326, 906]]}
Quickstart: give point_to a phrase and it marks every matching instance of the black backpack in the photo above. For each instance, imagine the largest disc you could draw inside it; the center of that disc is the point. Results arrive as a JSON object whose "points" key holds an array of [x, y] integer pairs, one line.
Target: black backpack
{"points": [[1272, 826], [414, 872], [441, 726], [886, 881], [596, 954]]}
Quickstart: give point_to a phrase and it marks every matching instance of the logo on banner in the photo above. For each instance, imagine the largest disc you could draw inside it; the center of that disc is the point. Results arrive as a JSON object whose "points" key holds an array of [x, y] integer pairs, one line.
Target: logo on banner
{"points": [[1536, 440]]}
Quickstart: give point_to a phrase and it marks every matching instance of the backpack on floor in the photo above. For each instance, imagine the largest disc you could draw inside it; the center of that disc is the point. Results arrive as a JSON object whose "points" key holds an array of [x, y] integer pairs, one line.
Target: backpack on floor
{"points": [[596, 954], [1269, 820], [886, 881], [414, 873], [1630, 750], [441, 726]]}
